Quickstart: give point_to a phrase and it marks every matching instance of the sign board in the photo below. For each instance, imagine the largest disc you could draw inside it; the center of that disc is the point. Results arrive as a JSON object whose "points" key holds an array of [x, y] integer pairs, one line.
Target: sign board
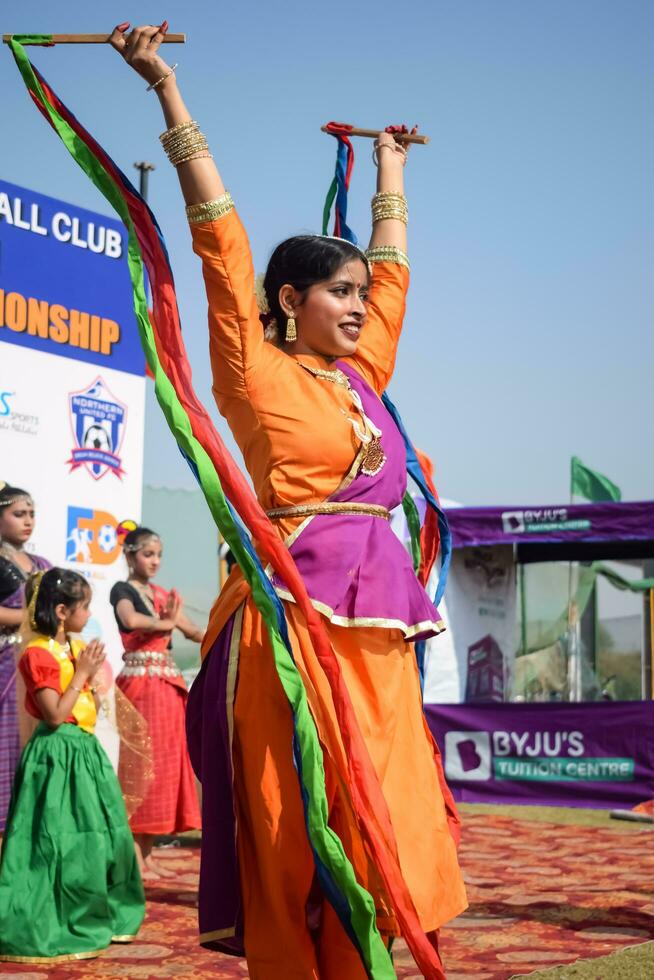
{"points": [[72, 386], [586, 755]]}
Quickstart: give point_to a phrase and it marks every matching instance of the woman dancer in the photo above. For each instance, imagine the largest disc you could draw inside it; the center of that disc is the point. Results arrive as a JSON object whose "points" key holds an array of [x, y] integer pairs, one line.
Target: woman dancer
{"points": [[328, 464], [16, 527], [147, 615], [69, 879]]}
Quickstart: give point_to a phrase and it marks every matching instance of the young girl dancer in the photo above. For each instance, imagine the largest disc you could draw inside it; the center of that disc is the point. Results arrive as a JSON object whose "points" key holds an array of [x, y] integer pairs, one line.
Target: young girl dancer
{"points": [[69, 879], [147, 615], [16, 527]]}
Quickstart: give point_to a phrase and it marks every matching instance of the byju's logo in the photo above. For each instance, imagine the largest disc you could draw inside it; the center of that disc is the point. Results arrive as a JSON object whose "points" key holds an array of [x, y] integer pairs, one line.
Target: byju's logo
{"points": [[513, 521], [98, 423], [467, 755], [91, 537]]}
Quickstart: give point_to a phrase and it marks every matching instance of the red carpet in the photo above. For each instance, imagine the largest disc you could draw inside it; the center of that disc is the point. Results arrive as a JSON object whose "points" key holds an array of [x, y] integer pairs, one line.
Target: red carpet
{"points": [[540, 895]]}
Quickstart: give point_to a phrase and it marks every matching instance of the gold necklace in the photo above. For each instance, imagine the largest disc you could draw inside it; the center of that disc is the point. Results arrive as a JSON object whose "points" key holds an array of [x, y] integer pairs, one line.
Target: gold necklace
{"points": [[145, 595], [374, 457], [336, 376]]}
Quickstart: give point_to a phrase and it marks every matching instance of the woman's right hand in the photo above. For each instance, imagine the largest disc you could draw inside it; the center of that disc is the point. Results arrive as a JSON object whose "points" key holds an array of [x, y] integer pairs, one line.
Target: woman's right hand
{"points": [[90, 660], [140, 48]]}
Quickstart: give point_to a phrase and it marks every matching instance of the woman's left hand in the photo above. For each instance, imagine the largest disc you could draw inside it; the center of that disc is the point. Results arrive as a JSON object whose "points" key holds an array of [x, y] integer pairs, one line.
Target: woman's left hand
{"points": [[388, 149], [140, 49]]}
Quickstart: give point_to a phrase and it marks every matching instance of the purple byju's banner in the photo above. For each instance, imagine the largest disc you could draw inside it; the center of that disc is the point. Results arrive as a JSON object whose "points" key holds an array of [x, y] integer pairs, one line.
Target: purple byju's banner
{"points": [[473, 527], [587, 755]]}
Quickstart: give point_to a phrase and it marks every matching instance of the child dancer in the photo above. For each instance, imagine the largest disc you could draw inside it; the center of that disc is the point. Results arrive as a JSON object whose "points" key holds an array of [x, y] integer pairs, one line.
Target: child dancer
{"points": [[146, 616], [16, 565], [69, 880]]}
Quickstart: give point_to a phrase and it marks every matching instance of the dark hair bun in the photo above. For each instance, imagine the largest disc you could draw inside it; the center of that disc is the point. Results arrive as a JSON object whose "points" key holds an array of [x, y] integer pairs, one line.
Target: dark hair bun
{"points": [[303, 261]]}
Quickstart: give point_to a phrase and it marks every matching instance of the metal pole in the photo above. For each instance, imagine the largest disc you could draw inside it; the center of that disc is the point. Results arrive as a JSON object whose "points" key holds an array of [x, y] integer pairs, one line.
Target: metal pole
{"points": [[573, 638], [523, 610], [144, 168], [647, 662]]}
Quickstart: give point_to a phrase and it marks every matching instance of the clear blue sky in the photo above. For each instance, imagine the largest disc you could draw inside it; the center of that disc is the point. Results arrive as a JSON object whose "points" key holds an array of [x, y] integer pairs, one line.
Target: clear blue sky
{"points": [[529, 335]]}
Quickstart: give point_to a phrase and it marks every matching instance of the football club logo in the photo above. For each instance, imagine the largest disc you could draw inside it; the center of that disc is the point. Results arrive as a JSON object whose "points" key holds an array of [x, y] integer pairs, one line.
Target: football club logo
{"points": [[91, 537], [98, 423]]}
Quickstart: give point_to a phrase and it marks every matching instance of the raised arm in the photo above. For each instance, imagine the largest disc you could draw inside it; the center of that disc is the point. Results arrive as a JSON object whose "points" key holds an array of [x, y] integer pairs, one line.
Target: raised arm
{"points": [[198, 178], [377, 347], [389, 231], [235, 332]]}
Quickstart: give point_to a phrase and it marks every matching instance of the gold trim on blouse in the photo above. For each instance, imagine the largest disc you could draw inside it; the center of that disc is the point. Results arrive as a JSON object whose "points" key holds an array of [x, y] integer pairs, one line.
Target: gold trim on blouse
{"points": [[210, 210], [369, 621], [388, 253]]}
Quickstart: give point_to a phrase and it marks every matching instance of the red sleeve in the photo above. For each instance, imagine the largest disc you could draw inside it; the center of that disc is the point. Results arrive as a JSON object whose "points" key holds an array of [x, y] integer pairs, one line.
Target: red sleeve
{"points": [[39, 669]]}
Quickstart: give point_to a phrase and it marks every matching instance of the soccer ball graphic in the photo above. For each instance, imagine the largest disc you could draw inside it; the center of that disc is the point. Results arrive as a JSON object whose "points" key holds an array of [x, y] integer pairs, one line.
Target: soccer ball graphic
{"points": [[96, 437], [107, 538]]}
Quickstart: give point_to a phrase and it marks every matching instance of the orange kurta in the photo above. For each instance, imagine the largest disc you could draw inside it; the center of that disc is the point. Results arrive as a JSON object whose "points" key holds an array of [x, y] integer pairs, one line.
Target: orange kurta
{"points": [[299, 446]]}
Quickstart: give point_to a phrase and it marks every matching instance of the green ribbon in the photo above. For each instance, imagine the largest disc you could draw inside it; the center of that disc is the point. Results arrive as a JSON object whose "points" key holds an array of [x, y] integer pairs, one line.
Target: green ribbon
{"points": [[43, 39], [413, 523]]}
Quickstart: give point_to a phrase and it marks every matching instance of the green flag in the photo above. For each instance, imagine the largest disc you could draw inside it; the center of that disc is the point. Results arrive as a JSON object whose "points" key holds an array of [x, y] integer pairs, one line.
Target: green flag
{"points": [[591, 484]]}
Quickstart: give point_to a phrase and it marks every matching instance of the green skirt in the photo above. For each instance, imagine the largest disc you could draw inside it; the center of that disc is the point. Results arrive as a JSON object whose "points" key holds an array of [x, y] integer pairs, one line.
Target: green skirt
{"points": [[69, 879]]}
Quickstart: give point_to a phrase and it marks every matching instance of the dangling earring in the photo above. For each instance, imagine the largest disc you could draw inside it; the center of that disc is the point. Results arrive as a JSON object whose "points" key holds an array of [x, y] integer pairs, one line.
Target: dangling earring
{"points": [[291, 330]]}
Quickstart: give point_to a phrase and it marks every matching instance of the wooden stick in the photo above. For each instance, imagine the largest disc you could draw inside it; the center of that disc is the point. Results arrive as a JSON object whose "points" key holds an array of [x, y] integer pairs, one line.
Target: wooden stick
{"points": [[374, 133], [95, 39]]}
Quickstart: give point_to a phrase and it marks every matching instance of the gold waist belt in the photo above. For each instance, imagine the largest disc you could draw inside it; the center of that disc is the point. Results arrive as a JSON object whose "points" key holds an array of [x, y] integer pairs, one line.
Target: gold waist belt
{"points": [[308, 510], [154, 663]]}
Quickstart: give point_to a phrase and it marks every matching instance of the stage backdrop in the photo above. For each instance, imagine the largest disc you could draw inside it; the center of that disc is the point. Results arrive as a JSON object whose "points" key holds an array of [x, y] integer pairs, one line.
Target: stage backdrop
{"points": [[72, 386]]}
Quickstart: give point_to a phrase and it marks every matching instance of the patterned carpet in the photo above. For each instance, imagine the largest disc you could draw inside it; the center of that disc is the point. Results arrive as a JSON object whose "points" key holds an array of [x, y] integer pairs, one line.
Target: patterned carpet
{"points": [[540, 894]]}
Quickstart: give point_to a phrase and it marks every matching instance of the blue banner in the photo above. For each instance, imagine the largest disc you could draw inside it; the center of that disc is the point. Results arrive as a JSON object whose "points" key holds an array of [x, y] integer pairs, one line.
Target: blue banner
{"points": [[64, 281]]}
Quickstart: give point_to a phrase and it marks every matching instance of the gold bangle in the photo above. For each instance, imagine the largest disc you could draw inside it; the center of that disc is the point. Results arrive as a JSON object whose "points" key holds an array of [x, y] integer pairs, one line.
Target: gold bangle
{"points": [[389, 197], [388, 253], [184, 150], [381, 214], [389, 204], [187, 136], [80, 690], [396, 205], [210, 210], [182, 147], [184, 142], [161, 80], [180, 127], [196, 155]]}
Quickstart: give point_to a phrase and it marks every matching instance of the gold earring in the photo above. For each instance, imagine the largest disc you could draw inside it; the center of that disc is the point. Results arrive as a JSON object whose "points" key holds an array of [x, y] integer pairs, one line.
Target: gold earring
{"points": [[291, 330]]}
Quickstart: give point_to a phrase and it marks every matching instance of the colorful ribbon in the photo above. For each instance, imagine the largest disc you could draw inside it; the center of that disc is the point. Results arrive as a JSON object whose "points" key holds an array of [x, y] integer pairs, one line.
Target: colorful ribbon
{"points": [[340, 185]]}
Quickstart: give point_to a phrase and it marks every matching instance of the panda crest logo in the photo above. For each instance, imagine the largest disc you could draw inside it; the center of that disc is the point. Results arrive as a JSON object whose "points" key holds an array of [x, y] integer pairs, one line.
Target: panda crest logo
{"points": [[98, 423]]}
